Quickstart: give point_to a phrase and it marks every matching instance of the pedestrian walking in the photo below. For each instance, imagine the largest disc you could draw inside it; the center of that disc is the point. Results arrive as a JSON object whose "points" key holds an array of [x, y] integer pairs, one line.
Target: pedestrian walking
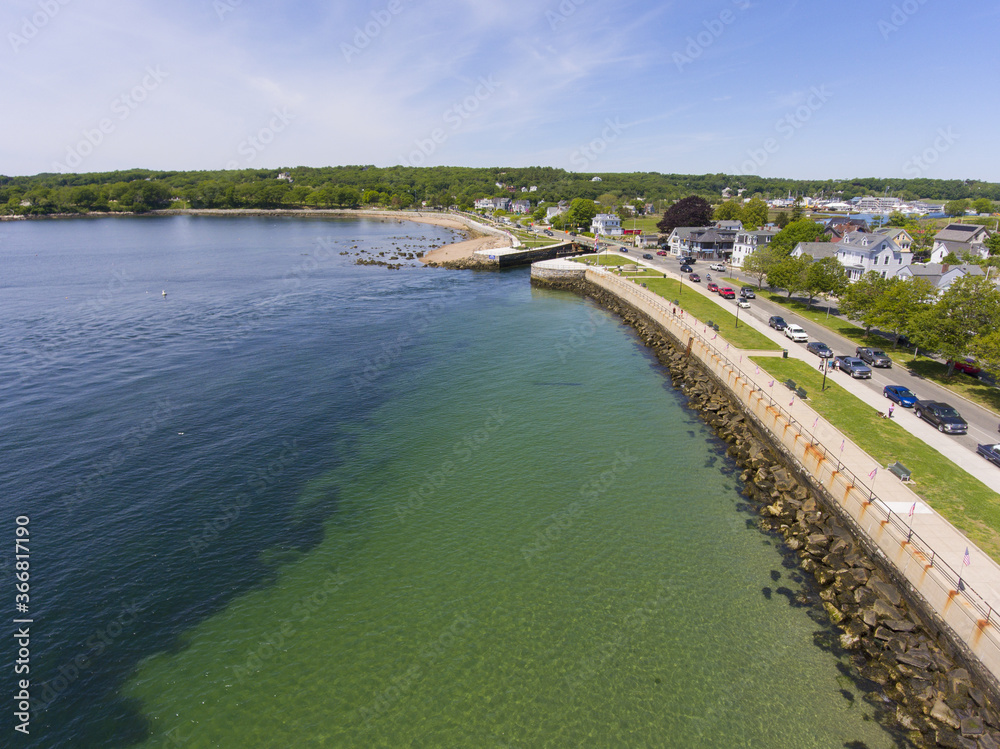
{"points": [[892, 407]]}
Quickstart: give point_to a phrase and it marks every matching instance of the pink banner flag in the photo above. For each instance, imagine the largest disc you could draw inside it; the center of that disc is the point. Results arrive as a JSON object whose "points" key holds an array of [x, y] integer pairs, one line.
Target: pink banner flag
{"points": [[791, 401], [913, 508], [816, 423], [873, 474], [758, 369], [966, 560], [842, 443], [771, 384]]}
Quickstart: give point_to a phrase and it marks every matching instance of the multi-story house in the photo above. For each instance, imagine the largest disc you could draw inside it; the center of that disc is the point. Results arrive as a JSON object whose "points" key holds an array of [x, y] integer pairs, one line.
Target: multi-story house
{"points": [[860, 252], [960, 239], [747, 242], [607, 224]]}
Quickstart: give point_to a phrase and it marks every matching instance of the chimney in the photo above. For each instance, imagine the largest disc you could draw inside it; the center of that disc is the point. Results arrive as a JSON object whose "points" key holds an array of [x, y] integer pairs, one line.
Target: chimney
{"points": [[944, 268]]}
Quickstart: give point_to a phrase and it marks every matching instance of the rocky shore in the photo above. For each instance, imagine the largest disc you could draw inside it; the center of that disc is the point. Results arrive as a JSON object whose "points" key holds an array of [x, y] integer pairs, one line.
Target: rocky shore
{"points": [[917, 680]]}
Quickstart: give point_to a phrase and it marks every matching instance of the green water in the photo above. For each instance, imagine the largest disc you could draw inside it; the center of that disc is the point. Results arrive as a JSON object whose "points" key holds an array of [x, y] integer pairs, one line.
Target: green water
{"points": [[535, 545]]}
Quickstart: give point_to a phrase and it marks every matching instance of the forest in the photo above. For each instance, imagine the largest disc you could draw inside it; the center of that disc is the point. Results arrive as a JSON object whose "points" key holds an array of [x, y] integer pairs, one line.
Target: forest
{"points": [[142, 190]]}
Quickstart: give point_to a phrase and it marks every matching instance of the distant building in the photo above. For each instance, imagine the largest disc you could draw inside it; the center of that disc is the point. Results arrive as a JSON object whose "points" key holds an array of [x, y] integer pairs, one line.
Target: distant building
{"points": [[706, 242], [960, 239], [748, 242], [940, 276], [520, 206], [898, 235], [596, 179], [860, 252]]}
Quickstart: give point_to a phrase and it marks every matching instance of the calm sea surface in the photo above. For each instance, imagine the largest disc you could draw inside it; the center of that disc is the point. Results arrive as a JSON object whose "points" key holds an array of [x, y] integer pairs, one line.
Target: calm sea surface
{"points": [[301, 502]]}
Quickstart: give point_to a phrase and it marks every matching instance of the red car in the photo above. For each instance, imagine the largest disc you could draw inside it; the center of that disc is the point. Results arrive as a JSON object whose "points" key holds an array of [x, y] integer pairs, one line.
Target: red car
{"points": [[727, 292], [662, 252], [713, 286], [694, 277], [967, 366]]}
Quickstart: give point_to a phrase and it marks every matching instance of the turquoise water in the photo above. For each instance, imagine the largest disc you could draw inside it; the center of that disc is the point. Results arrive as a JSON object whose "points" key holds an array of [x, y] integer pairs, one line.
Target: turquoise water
{"points": [[408, 508]]}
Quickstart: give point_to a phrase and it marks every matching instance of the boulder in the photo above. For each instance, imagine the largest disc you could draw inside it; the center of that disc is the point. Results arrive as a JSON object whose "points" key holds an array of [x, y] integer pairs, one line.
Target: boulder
{"points": [[818, 539], [900, 625], [944, 714], [853, 577], [886, 590], [915, 659], [884, 611]]}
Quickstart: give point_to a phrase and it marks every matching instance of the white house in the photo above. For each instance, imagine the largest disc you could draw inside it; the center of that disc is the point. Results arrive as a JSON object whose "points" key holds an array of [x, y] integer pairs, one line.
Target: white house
{"points": [[960, 239], [607, 224], [900, 236], [940, 276], [860, 252], [747, 242]]}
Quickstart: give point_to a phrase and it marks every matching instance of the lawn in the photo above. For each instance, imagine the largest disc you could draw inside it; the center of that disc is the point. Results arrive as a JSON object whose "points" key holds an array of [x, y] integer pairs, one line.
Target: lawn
{"points": [[705, 309], [967, 503]]}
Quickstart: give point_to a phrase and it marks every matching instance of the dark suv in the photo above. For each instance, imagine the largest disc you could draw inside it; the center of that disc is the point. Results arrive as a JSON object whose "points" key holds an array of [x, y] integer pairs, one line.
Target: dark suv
{"points": [[778, 323], [941, 415], [873, 356]]}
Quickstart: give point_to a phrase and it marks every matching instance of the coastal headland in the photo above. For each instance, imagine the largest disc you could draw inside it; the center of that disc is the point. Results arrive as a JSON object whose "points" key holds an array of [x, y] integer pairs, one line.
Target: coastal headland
{"points": [[928, 676]]}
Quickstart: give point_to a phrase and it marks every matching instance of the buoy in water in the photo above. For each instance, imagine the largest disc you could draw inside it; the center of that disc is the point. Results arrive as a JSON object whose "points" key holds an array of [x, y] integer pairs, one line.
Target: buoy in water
{"points": [[164, 293]]}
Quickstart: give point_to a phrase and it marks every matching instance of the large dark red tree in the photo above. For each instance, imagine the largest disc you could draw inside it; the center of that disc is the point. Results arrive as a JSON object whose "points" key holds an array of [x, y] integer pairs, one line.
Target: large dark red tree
{"points": [[690, 211]]}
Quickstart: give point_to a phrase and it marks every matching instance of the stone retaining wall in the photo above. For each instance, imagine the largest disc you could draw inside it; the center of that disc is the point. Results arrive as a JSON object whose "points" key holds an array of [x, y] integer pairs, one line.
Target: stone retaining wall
{"points": [[922, 679]]}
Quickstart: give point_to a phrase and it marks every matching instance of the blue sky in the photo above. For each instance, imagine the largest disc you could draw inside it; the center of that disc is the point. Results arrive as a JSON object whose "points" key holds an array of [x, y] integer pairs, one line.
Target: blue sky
{"points": [[789, 88]]}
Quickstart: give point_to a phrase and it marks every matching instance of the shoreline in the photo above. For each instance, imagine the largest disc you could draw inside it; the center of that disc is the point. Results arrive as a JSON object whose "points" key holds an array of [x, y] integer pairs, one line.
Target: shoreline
{"points": [[477, 236]]}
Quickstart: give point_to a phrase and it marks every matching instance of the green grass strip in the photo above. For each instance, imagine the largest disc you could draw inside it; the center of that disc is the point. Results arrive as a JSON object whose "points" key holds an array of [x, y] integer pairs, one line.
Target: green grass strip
{"points": [[963, 500]]}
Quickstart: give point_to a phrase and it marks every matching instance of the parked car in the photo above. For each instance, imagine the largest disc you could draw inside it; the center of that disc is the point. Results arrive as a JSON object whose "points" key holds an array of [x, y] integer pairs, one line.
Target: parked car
{"points": [[662, 253], [796, 333], [712, 286], [990, 452], [686, 268], [853, 366], [718, 266], [694, 277], [941, 415], [873, 356], [967, 366], [743, 303], [900, 394], [748, 292], [820, 349], [726, 292], [778, 323], [647, 256]]}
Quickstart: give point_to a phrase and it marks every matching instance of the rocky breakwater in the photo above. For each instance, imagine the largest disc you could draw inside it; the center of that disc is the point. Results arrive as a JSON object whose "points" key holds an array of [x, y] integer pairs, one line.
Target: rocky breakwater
{"points": [[917, 681]]}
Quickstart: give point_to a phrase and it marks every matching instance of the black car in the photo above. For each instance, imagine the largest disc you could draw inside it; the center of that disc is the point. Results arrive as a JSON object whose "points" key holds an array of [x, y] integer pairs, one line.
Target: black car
{"points": [[873, 356], [687, 260], [748, 293], [990, 452], [778, 323], [686, 268], [820, 349], [941, 415], [647, 256]]}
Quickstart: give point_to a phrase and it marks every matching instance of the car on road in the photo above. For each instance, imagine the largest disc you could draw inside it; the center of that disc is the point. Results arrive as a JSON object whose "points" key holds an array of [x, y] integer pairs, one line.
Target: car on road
{"points": [[727, 292], [712, 286], [647, 256], [900, 394], [572, 233], [874, 356], [662, 253], [623, 249], [853, 366], [796, 333], [686, 268], [990, 452], [718, 266], [687, 260], [694, 277], [777, 322], [967, 366], [743, 303], [820, 349], [548, 233], [748, 293], [941, 415]]}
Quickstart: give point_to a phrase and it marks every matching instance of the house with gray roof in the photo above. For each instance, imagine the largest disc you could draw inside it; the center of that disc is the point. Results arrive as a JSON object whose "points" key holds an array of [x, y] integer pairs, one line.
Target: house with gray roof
{"points": [[747, 243], [960, 239], [940, 276], [898, 235], [860, 252], [705, 242]]}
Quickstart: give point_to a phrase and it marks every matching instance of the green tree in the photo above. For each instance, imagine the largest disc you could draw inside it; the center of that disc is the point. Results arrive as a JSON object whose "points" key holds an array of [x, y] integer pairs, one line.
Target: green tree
{"points": [[789, 273], [900, 301], [956, 207], [803, 230], [825, 276], [986, 349], [796, 210], [690, 211], [759, 263], [983, 205], [860, 300], [782, 220], [754, 213], [970, 307], [993, 243], [581, 212], [729, 211], [896, 219]]}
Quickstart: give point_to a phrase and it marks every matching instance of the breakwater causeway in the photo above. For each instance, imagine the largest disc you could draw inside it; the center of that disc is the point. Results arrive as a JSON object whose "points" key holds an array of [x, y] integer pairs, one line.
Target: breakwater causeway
{"points": [[923, 677]]}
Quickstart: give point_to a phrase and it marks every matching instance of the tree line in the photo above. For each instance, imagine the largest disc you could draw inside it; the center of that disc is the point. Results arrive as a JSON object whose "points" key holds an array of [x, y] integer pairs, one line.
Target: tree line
{"points": [[138, 190]]}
